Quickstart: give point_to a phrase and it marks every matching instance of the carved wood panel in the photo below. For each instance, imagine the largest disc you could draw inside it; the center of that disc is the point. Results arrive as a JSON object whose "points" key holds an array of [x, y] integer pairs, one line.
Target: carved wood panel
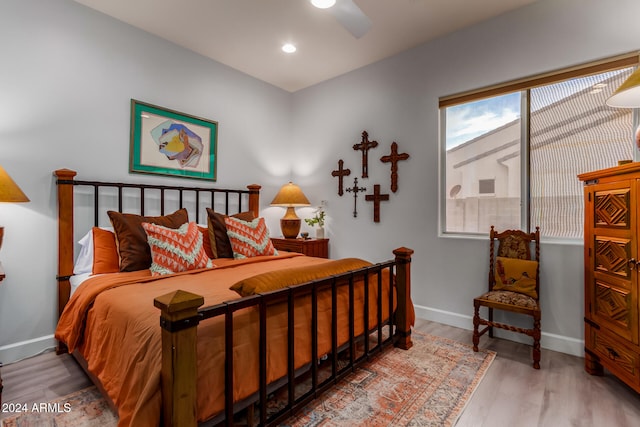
{"points": [[611, 208], [614, 306], [612, 256], [624, 360]]}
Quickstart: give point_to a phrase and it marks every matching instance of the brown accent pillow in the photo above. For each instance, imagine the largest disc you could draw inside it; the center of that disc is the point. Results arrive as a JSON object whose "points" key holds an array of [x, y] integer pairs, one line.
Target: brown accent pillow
{"points": [[220, 244], [131, 239], [279, 279], [105, 252]]}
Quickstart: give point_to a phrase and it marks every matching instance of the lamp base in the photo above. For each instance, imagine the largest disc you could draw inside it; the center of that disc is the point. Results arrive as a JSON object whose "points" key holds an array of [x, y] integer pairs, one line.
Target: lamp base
{"points": [[290, 227], [636, 145], [290, 223]]}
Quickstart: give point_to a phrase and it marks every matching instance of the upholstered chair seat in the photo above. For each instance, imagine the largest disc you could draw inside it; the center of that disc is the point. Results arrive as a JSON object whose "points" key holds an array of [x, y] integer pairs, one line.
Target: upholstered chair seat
{"points": [[510, 298]]}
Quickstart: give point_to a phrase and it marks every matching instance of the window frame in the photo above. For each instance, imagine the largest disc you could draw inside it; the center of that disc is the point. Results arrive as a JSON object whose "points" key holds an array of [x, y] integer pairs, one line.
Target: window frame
{"points": [[523, 86]]}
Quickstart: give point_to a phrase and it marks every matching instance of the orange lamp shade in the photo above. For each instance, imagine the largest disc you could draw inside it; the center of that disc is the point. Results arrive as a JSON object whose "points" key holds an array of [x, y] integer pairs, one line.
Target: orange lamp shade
{"points": [[9, 192]]}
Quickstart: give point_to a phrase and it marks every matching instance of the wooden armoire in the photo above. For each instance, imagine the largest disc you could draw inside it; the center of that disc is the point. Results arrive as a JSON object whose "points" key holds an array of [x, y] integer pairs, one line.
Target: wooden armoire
{"points": [[612, 272]]}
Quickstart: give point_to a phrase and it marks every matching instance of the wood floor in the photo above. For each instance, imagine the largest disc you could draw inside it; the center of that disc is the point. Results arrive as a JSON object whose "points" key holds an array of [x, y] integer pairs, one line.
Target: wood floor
{"points": [[512, 393]]}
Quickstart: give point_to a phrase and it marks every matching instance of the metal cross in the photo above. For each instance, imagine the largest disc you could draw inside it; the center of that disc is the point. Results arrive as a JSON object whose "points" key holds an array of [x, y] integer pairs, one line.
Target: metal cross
{"points": [[355, 189], [376, 198], [394, 158], [365, 146], [340, 173]]}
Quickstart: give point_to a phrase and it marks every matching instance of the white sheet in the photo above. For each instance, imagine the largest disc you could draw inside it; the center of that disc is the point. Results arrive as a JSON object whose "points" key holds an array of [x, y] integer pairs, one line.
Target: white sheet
{"points": [[77, 279]]}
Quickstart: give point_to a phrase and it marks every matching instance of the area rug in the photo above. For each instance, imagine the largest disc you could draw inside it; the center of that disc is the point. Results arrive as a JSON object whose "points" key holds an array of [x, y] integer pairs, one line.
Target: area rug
{"points": [[428, 385], [84, 408]]}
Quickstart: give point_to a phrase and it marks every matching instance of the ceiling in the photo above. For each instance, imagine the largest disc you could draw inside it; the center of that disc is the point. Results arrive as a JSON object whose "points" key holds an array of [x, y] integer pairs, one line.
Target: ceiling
{"points": [[247, 35]]}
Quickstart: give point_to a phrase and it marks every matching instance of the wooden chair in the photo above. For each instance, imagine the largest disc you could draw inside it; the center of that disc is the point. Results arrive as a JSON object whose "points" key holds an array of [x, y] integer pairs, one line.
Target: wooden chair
{"points": [[511, 287]]}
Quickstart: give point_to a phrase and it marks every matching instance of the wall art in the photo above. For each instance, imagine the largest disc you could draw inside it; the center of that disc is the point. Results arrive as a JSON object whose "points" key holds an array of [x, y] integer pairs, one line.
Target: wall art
{"points": [[394, 158], [167, 142]]}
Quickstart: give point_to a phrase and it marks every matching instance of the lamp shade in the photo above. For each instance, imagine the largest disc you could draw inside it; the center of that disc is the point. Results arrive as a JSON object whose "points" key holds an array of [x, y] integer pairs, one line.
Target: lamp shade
{"points": [[628, 94], [290, 195], [9, 190]]}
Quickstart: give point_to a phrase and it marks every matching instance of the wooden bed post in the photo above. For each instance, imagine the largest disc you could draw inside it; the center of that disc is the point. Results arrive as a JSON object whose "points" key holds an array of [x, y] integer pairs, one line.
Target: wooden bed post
{"points": [[65, 235], [403, 286], [179, 319], [254, 199]]}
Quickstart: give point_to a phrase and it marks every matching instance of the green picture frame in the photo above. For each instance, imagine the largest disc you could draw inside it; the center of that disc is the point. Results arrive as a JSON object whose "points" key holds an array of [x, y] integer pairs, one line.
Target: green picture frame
{"points": [[167, 142]]}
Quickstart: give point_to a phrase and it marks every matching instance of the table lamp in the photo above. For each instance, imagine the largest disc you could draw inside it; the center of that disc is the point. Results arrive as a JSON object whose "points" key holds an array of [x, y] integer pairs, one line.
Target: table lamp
{"points": [[628, 96], [290, 196], [9, 192]]}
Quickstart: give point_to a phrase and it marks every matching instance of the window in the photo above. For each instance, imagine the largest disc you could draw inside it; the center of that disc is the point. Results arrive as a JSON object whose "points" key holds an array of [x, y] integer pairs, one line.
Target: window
{"points": [[483, 139], [512, 154], [487, 186]]}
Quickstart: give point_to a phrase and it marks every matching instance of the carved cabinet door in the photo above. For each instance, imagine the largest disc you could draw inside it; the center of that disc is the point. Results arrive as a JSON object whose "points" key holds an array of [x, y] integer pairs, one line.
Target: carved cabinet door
{"points": [[612, 270]]}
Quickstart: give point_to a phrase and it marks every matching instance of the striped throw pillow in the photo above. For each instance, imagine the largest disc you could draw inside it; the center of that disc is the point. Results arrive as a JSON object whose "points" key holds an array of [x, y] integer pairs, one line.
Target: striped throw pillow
{"points": [[175, 250], [249, 238]]}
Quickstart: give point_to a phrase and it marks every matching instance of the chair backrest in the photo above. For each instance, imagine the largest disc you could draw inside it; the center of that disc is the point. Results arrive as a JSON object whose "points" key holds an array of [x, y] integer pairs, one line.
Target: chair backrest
{"points": [[514, 244]]}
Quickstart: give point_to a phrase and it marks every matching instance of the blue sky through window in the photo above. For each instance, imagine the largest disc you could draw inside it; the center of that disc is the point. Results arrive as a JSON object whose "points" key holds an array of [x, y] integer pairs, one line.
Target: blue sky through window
{"points": [[470, 120]]}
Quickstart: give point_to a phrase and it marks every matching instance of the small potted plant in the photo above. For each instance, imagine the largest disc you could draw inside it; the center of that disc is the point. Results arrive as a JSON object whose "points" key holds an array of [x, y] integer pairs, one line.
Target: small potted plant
{"points": [[317, 219]]}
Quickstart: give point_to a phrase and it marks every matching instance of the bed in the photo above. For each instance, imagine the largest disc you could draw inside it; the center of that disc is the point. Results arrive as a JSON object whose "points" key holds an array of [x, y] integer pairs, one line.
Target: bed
{"points": [[219, 344]]}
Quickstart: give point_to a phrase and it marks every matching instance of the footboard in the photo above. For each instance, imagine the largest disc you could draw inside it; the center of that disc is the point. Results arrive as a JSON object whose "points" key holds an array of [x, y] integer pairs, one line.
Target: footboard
{"points": [[180, 315]]}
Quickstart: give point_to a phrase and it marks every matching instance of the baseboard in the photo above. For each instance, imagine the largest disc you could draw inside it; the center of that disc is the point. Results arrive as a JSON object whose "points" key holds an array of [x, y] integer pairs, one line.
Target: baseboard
{"points": [[21, 350], [549, 341]]}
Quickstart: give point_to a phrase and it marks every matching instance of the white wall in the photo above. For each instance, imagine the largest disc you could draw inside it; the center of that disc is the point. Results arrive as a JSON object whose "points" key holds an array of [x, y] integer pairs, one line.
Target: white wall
{"points": [[397, 100], [68, 74], [66, 80]]}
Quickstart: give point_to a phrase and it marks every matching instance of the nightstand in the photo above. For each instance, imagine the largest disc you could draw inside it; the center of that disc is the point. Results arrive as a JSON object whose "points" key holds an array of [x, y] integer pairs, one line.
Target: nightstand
{"points": [[310, 247]]}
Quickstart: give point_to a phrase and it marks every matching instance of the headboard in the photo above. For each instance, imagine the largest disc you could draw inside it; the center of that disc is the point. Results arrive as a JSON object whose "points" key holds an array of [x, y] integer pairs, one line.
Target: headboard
{"points": [[160, 195]]}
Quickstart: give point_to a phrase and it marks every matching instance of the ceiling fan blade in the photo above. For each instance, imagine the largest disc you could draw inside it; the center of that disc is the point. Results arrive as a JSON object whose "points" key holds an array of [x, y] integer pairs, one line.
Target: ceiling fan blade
{"points": [[351, 17]]}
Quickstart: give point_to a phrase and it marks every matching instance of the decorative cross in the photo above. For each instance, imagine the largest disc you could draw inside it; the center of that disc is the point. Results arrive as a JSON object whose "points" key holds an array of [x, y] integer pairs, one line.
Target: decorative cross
{"points": [[394, 158], [376, 198], [340, 173], [355, 189], [365, 146]]}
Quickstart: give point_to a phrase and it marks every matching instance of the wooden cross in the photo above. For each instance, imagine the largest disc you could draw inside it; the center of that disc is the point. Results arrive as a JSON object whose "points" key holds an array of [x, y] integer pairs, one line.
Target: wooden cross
{"points": [[394, 158], [355, 189], [365, 146], [340, 173], [376, 198]]}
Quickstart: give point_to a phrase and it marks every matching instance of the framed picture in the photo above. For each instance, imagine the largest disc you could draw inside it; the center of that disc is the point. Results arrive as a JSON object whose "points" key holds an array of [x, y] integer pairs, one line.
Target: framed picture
{"points": [[166, 142]]}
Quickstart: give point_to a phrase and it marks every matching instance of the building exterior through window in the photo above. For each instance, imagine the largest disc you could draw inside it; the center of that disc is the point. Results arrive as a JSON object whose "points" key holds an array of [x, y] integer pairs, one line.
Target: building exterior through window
{"points": [[568, 129]]}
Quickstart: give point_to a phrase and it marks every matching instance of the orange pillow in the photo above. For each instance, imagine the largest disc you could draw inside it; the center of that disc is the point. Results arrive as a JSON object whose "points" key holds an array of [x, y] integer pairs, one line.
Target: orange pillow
{"points": [[105, 252], [175, 250], [278, 279], [249, 238]]}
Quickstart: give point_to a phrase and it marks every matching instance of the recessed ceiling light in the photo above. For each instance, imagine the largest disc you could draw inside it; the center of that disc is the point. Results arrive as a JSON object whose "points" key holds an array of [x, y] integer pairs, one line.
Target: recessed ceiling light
{"points": [[288, 48], [323, 4]]}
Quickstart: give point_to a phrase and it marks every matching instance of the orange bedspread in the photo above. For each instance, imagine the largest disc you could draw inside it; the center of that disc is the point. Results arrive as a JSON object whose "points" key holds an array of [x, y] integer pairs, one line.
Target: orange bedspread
{"points": [[122, 343]]}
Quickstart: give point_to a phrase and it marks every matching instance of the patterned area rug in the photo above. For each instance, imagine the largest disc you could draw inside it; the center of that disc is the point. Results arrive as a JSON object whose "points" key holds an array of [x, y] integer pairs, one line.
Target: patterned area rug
{"points": [[428, 385], [84, 408]]}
